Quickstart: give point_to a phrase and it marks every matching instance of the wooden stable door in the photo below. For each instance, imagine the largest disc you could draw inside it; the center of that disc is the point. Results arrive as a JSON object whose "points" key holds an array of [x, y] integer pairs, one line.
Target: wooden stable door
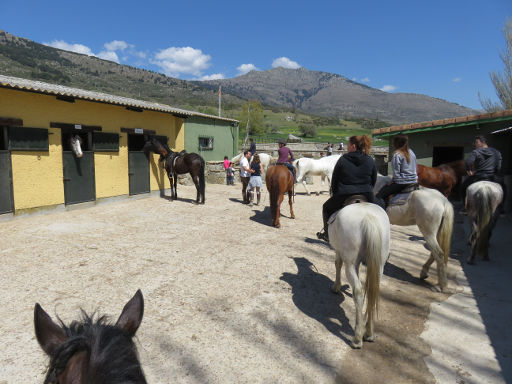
{"points": [[6, 200], [79, 179], [138, 165]]}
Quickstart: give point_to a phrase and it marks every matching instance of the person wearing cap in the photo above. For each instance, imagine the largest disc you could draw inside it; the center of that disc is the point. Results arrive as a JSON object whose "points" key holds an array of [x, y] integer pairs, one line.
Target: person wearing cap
{"points": [[285, 157]]}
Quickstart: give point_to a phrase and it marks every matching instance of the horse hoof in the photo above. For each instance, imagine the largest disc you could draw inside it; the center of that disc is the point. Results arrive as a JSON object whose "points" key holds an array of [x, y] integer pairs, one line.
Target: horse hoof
{"points": [[369, 338], [357, 344], [318, 194], [423, 275], [293, 217], [335, 289]]}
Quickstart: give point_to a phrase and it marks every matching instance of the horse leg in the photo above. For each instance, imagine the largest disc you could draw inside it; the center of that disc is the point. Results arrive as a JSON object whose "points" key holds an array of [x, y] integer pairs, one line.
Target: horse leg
{"points": [[357, 293], [277, 224], [338, 263], [437, 254], [290, 198], [195, 179], [426, 267], [175, 188], [305, 187]]}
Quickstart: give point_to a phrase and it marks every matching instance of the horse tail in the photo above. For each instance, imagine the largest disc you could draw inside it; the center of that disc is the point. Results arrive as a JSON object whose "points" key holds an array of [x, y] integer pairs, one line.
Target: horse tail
{"points": [[483, 197], [274, 196], [201, 180], [444, 234], [372, 240]]}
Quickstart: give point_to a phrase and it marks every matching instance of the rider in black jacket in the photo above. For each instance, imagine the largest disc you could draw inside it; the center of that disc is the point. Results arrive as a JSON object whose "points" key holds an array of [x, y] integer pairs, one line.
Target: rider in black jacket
{"points": [[355, 173], [484, 163]]}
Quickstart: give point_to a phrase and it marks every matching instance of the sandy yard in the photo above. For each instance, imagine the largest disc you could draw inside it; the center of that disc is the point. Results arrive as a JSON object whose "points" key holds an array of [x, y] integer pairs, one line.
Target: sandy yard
{"points": [[228, 299]]}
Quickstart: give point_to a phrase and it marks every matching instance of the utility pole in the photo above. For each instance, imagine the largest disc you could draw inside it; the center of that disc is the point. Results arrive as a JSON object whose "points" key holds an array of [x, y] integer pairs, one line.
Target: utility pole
{"points": [[219, 94]]}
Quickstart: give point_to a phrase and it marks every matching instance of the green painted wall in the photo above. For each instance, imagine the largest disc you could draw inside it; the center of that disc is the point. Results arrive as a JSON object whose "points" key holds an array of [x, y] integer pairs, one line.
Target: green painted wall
{"points": [[423, 143], [224, 133]]}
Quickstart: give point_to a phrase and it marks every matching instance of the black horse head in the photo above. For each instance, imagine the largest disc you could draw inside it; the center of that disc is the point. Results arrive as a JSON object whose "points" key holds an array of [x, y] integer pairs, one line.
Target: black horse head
{"points": [[89, 351]]}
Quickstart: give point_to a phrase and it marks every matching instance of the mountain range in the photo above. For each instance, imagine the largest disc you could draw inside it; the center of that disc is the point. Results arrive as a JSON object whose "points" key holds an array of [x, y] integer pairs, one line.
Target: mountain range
{"points": [[313, 92]]}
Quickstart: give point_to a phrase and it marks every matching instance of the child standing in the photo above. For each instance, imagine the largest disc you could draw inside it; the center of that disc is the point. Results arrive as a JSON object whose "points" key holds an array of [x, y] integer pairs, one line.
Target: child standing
{"points": [[230, 172]]}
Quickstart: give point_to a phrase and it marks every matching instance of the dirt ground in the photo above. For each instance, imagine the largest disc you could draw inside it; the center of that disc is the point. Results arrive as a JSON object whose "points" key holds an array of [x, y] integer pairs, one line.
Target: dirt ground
{"points": [[227, 297]]}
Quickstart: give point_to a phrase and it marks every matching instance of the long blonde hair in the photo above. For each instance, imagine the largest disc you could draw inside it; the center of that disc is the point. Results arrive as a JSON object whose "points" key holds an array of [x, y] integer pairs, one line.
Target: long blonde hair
{"points": [[362, 143], [401, 145]]}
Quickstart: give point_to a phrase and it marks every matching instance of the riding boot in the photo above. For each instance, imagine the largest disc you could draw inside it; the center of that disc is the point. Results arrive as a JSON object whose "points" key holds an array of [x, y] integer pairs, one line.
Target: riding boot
{"points": [[251, 197], [258, 196]]}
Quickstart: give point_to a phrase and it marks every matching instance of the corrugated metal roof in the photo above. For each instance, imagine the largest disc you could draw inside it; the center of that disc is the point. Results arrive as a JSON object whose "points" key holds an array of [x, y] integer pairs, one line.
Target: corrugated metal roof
{"points": [[444, 123], [509, 129], [60, 90]]}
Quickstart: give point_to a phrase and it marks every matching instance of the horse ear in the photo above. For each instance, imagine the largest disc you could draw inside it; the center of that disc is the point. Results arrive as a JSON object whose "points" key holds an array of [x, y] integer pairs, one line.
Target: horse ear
{"points": [[48, 334], [131, 317]]}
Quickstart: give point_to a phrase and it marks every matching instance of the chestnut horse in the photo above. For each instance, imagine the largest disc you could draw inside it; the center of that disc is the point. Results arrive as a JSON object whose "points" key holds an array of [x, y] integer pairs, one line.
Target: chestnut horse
{"points": [[279, 180], [89, 351], [443, 177]]}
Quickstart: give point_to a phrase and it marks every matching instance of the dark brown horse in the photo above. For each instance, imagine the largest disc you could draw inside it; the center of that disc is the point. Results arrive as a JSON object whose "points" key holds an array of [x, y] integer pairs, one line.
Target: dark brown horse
{"points": [[279, 180], [89, 351], [178, 163], [443, 177]]}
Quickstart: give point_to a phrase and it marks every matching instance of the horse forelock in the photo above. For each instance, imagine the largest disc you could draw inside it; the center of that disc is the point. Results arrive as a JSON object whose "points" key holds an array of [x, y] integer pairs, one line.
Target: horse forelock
{"points": [[110, 352]]}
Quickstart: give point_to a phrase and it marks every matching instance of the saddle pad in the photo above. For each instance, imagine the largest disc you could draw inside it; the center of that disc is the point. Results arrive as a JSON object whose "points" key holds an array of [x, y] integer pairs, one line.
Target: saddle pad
{"points": [[399, 198]]}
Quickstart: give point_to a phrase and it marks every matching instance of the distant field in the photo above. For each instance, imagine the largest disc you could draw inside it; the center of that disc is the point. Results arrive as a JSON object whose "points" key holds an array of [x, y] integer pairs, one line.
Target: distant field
{"points": [[280, 124]]}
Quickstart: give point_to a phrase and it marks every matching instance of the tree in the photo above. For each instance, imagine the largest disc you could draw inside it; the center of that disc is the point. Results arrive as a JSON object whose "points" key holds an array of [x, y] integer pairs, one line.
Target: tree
{"points": [[502, 81], [251, 118], [307, 129]]}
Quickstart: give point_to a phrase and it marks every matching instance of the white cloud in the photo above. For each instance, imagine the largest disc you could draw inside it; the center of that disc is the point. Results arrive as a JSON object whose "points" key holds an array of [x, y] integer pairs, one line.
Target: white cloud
{"points": [[245, 68], [214, 76], [78, 48], [285, 63], [109, 55], [365, 80], [116, 45], [457, 80], [182, 60], [388, 88]]}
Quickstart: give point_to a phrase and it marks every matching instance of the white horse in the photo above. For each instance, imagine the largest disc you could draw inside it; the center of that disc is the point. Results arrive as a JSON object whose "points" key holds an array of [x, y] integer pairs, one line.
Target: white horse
{"points": [[264, 159], [431, 211], [323, 166], [361, 233], [482, 199], [75, 142]]}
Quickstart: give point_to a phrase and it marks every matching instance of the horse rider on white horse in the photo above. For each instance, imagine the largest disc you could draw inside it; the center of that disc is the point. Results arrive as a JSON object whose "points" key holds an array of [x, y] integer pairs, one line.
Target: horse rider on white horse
{"points": [[403, 164], [484, 163], [355, 173]]}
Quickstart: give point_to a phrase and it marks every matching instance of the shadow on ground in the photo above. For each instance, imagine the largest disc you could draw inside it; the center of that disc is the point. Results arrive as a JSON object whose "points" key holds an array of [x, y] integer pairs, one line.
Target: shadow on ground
{"points": [[312, 295]]}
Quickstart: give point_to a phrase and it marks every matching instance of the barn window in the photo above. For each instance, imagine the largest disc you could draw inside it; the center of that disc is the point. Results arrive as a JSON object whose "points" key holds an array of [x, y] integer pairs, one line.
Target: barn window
{"points": [[205, 143], [105, 142], [28, 139]]}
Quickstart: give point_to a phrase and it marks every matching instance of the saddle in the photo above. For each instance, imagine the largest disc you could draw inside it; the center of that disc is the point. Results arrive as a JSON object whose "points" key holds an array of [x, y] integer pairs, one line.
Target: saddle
{"points": [[354, 199], [170, 160], [402, 197]]}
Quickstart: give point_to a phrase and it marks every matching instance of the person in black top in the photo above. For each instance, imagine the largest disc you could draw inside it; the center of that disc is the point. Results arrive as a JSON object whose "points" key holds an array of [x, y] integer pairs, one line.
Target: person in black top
{"points": [[255, 182], [252, 146], [484, 163], [355, 173]]}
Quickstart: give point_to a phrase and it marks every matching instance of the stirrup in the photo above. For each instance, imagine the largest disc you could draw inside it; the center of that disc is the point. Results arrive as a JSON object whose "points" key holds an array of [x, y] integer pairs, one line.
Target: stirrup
{"points": [[322, 236]]}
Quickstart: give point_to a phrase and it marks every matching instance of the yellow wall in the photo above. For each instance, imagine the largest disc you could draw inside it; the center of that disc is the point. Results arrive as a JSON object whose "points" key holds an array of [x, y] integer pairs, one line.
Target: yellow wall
{"points": [[38, 176]]}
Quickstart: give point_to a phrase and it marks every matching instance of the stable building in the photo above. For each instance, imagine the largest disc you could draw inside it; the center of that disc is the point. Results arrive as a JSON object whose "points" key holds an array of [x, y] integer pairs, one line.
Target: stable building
{"points": [[38, 170], [442, 141]]}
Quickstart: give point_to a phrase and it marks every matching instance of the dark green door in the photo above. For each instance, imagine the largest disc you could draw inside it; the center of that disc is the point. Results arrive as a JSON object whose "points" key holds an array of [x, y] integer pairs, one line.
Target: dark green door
{"points": [[79, 185], [6, 201], [138, 169]]}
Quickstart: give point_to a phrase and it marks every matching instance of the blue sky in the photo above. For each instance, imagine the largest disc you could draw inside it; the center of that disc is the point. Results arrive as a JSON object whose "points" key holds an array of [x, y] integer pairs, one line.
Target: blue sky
{"points": [[443, 49]]}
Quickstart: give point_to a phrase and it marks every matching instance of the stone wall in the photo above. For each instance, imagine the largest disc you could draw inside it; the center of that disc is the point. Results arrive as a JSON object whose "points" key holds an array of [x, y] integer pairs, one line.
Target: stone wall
{"points": [[215, 173]]}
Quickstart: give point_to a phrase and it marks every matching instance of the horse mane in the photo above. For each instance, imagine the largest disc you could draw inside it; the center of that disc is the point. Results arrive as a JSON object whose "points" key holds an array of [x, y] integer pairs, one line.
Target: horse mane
{"points": [[113, 356]]}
